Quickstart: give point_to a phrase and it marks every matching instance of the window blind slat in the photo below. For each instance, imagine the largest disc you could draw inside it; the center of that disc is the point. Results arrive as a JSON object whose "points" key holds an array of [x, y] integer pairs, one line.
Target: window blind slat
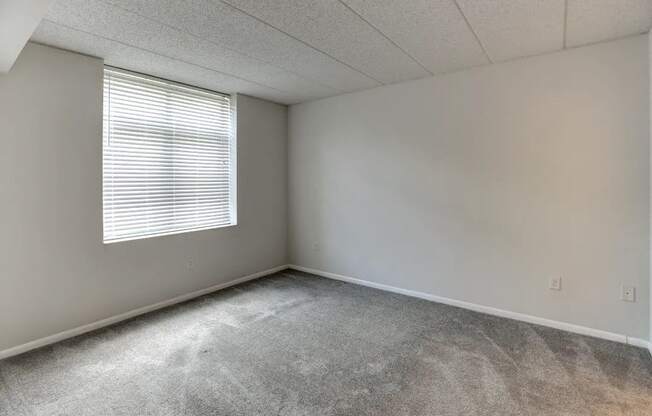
{"points": [[168, 158]]}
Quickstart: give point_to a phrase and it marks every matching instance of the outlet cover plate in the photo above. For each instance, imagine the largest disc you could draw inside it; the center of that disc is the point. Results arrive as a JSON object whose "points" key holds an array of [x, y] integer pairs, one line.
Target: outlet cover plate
{"points": [[628, 293]]}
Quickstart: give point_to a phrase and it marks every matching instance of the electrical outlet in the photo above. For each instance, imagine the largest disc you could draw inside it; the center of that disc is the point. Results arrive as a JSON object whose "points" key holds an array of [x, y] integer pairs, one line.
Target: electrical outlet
{"points": [[628, 293], [554, 283]]}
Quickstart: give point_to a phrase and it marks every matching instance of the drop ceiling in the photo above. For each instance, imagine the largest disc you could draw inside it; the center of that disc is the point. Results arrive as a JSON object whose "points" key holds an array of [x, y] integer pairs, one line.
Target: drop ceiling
{"points": [[290, 51]]}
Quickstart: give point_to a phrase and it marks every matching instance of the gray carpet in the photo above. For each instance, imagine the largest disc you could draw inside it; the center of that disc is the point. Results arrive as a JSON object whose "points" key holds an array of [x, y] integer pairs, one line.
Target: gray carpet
{"points": [[297, 344]]}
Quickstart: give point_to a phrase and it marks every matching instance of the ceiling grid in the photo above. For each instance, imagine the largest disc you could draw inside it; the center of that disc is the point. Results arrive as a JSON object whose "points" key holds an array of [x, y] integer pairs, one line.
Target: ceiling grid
{"points": [[475, 34], [302, 41], [386, 37]]}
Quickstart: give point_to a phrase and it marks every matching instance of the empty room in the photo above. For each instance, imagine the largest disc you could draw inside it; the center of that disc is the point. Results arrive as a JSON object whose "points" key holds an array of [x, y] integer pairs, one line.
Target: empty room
{"points": [[325, 207]]}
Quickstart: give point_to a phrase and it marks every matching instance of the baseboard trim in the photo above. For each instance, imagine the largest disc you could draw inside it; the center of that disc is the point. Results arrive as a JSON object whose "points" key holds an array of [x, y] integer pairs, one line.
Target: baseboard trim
{"points": [[41, 342], [565, 326], [578, 329], [638, 342]]}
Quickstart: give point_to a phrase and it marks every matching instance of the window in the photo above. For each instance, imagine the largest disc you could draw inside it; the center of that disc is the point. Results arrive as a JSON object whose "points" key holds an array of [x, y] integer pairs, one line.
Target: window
{"points": [[168, 158]]}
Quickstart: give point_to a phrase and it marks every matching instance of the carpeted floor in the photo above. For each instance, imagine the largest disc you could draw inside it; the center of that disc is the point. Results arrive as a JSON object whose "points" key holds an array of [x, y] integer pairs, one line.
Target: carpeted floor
{"points": [[297, 344]]}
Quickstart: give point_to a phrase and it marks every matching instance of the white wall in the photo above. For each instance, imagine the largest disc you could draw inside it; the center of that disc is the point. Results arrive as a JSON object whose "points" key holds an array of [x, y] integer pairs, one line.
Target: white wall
{"points": [[55, 273], [481, 185]]}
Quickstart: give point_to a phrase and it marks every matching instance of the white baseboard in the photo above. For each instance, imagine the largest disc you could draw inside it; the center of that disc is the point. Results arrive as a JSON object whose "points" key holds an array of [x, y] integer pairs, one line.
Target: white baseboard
{"points": [[466, 305], [638, 342], [565, 326], [41, 342]]}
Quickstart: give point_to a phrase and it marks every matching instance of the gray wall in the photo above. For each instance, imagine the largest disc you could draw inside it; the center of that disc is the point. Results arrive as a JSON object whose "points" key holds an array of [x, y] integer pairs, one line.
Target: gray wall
{"points": [[482, 184], [55, 273]]}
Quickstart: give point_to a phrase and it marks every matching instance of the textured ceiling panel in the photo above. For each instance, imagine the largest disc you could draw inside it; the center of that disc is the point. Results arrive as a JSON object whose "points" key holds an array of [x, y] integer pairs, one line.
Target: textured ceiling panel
{"points": [[220, 23], [292, 51], [99, 18], [123, 56], [591, 21], [331, 26], [433, 32], [515, 28]]}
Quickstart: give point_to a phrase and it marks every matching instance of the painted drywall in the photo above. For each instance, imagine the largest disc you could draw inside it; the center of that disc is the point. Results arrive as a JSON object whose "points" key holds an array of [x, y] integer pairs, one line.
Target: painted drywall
{"points": [[18, 20], [483, 184], [55, 273]]}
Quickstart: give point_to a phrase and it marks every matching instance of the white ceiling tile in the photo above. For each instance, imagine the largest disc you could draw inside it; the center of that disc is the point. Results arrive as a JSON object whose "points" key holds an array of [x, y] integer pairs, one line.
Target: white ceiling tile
{"points": [[291, 51], [515, 28], [590, 21], [221, 23], [139, 60], [332, 27], [101, 19], [432, 31]]}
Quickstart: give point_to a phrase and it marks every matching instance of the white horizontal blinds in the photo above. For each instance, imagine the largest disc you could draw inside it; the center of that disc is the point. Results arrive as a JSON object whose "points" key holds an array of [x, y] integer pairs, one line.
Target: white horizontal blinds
{"points": [[167, 157]]}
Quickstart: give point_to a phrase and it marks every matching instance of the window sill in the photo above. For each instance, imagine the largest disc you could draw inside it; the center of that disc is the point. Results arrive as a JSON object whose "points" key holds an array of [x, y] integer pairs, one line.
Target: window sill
{"points": [[180, 232]]}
